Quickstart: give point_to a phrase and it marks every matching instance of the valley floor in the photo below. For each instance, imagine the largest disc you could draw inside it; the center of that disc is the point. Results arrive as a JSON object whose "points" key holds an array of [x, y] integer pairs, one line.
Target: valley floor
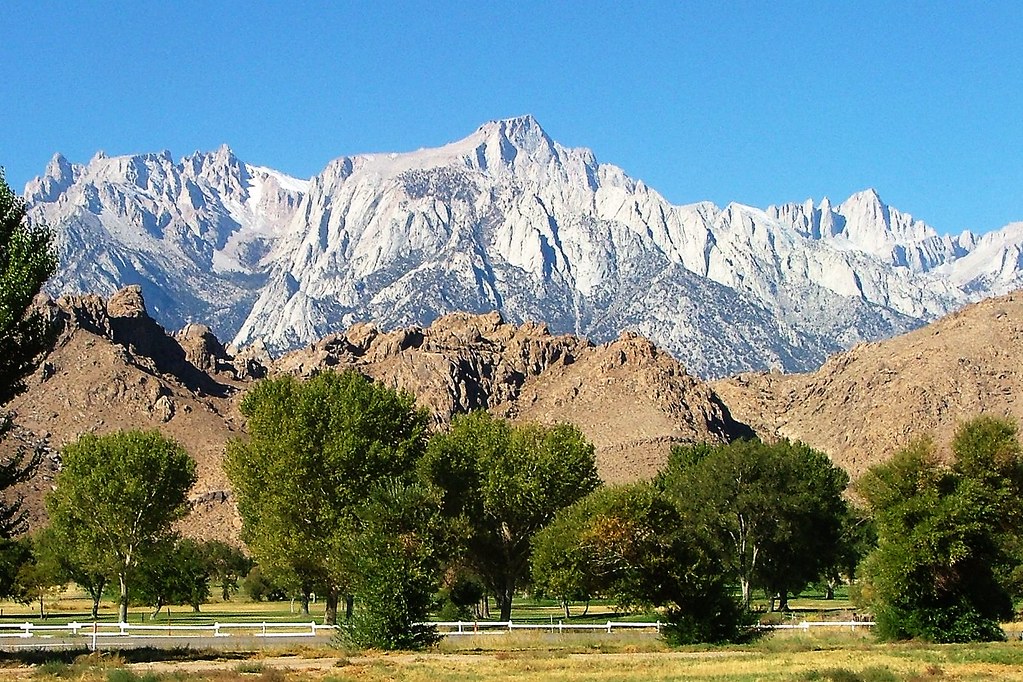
{"points": [[844, 657]]}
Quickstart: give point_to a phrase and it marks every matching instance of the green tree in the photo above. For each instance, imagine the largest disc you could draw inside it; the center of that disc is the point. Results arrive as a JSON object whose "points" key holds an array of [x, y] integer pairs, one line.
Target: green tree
{"points": [[563, 564], [27, 260], [227, 565], [13, 553], [257, 587], [776, 510], [174, 574], [39, 575], [122, 492], [398, 549], [314, 450], [77, 560], [632, 544], [948, 557], [505, 482]]}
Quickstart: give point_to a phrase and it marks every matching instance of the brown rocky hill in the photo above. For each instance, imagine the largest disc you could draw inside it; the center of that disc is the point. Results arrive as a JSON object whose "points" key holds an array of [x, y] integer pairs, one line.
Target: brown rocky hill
{"points": [[865, 404], [113, 367]]}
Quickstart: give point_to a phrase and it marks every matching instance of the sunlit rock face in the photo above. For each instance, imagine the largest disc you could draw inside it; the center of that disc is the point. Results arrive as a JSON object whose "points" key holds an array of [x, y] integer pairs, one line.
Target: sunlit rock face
{"points": [[505, 220]]}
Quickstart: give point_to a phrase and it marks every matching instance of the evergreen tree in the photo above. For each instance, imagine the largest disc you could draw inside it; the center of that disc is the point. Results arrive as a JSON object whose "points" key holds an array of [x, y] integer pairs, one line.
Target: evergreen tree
{"points": [[27, 260]]}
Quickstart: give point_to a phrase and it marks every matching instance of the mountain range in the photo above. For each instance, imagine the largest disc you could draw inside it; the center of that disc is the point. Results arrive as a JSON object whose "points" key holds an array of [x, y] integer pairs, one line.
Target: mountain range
{"points": [[505, 220]]}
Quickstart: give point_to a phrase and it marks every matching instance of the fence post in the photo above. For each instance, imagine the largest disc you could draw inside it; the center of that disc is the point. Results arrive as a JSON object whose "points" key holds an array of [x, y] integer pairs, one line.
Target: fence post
{"points": [[459, 627], [509, 625], [609, 627], [312, 626], [216, 629], [561, 628], [27, 627]]}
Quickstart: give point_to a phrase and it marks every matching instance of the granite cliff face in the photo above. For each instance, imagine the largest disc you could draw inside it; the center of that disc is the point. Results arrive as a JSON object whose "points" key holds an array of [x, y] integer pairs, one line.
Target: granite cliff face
{"points": [[506, 220], [114, 367]]}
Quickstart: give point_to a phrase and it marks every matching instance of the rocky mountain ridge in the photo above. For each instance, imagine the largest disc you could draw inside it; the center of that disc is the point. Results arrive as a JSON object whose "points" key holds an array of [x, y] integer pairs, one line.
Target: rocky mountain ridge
{"points": [[114, 367], [865, 404], [506, 219]]}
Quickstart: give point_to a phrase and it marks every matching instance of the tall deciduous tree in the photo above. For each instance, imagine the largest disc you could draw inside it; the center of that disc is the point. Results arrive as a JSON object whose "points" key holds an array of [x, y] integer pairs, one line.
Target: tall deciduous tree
{"points": [[315, 449], [174, 574], [948, 559], [27, 260], [506, 482], [121, 493], [776, 509]]}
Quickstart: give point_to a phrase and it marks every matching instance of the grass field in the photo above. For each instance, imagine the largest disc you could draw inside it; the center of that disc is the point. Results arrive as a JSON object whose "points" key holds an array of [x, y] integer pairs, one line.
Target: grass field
{"points": [[830, 655], [839, 657], [73, 604]]}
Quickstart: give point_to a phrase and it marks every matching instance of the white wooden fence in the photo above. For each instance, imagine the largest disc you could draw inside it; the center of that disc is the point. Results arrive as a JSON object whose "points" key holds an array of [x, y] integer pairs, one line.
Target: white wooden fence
{"points": [[312, 629]]}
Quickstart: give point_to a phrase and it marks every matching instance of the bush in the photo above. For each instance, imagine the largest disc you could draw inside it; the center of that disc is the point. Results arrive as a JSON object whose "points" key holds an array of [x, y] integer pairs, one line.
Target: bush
{"points": [[715, 618], [257, 588]]}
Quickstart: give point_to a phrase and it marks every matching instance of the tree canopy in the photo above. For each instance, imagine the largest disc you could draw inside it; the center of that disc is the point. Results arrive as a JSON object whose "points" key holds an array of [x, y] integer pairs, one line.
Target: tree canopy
{"points": [[776, 510], [399, 547], [120, 493], [316, 448], [505, 482], [27, 260], [633, 545], [948, 560]]}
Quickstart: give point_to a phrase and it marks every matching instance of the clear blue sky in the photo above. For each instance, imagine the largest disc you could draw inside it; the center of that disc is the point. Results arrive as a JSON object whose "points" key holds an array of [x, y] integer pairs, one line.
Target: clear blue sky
{"points": [[752, 102]]}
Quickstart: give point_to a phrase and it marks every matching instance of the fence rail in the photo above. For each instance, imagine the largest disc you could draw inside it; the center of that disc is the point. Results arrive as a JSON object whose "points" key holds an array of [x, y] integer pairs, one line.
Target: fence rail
{"points": [[312, 629], [462, 627]]}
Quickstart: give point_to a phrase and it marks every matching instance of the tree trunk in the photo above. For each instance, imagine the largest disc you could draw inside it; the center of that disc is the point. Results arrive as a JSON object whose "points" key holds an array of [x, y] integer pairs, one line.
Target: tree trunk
{"points": [[504, 599], [783, 600], [586, 608], [95, 605], [122, 604], [305, 603], [747, 593], [41, 614], [485, 606], [330, 607], [564, 605], [349, 606], [829, 590]]}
